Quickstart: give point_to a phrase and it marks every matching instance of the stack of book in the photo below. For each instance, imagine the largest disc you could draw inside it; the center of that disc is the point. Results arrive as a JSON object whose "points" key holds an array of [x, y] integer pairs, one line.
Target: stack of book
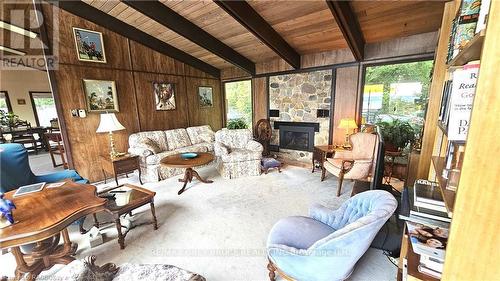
{"points": [[427, 223]]}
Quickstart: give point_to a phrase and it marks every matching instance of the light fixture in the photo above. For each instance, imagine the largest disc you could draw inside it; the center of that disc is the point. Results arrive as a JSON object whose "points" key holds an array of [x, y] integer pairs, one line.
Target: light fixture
{"points": [[347, 123], [17, 29], [110, 124], [13, 51]]}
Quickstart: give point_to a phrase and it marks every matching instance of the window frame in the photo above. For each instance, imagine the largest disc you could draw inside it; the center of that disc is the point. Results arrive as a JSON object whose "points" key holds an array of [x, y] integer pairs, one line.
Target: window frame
{"points": [[33, 106], [7, 101], [251, 99]]}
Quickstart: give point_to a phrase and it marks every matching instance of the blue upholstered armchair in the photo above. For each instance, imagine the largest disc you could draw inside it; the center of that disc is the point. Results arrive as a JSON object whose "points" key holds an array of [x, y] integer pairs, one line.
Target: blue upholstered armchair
{"points": [[327, 245], [15, 170]]}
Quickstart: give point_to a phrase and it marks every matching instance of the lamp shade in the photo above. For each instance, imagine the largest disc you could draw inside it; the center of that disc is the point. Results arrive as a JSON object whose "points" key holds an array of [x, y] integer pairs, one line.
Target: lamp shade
{"points": [[109, 123], [347, 123]]}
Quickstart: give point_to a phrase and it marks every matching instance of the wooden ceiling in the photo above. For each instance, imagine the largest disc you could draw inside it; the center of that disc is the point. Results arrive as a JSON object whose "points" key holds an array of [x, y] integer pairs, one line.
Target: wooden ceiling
{"points": [[304, 27]]}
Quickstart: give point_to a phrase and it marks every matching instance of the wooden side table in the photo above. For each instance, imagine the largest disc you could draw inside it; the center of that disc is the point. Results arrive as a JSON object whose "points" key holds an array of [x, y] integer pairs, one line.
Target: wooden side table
{"points": [[120, 165], [320, 153]]}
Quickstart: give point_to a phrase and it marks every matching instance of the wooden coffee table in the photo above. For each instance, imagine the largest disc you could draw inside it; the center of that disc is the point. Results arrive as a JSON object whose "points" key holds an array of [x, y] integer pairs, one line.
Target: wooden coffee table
{"points": [[127, 198], [42, 217], [176, 161]]}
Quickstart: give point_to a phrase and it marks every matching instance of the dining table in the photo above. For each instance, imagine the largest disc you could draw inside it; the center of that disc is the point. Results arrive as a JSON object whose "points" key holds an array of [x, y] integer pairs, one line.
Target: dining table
{"points": [[41, 219]]}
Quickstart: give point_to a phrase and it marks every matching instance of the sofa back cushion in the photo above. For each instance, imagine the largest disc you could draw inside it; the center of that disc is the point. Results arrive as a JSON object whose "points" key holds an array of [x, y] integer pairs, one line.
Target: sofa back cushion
{"points": [[233, 138], [177, 138], [137, 139], [201, 134]]}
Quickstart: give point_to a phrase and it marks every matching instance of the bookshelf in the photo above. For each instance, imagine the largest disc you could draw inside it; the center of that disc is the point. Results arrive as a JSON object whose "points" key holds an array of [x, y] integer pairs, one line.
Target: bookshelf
{"points": [[474, 205]]}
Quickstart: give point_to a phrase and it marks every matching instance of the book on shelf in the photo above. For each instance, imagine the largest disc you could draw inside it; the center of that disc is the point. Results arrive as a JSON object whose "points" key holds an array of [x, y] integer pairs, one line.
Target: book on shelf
{"points": [[463, 27], [421, 215], [428, 240], [445, 99], [462, 96], [483, 15], [432, 263], [425, 270], [427, 194]]}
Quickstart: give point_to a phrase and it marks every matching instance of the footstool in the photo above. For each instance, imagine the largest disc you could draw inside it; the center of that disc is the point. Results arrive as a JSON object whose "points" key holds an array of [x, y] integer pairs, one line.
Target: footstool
{"points": [[270, 163]]}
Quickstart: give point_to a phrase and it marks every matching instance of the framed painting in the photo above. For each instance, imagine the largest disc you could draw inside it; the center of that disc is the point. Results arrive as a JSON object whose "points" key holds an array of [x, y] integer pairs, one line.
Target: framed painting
{"points": [[164, 95], [100, 95], [89, 45], [205, 96]]}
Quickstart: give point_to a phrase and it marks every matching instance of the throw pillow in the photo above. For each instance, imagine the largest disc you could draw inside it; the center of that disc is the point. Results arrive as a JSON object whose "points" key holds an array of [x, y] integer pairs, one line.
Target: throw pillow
{"points": [[207, 137], [151, 145]]}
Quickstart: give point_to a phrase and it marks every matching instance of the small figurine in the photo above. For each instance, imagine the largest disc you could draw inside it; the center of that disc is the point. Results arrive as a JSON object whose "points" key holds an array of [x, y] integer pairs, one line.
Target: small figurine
{"points": [[6, 207]]}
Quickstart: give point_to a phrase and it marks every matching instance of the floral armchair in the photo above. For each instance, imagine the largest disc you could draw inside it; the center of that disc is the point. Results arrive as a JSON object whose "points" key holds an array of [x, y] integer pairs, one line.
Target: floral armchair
{"points": [[238, 155], [355, 163]]}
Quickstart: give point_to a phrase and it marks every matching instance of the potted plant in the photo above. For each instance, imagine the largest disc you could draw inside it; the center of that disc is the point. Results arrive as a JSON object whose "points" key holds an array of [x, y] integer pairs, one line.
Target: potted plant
{"points": [[8, 119], [237, 123], [397, 134]]}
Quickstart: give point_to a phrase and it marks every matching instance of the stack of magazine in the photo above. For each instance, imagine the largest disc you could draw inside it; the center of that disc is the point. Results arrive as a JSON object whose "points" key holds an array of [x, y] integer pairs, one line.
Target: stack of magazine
{"points": [[427, 222]]}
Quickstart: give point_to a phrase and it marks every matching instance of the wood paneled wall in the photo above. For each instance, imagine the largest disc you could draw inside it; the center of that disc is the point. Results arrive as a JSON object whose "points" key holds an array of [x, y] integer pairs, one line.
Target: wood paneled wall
{"points": [[260, 98], [346, 99], [133, 67]]}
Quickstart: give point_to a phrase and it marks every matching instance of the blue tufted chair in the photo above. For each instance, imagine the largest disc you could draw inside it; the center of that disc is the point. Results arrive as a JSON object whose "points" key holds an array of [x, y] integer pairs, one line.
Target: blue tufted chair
{"points": [[327, 245], [15, 171]]}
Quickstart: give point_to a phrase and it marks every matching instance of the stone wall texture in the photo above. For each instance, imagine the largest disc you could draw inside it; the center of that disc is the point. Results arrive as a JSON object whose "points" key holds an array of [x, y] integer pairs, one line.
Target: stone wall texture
{"points": [[297, 97]]}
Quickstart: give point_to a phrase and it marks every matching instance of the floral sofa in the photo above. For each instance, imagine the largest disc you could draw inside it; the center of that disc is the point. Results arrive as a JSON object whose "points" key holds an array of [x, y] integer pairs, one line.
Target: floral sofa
{"points": [[237, 154], [153, 146]]}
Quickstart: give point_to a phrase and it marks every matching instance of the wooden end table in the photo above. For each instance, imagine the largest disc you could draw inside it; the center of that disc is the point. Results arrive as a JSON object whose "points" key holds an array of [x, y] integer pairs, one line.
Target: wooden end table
{"points": [[120, 165], [42, 218], [176, 161], [127, 198], [320, 153]]}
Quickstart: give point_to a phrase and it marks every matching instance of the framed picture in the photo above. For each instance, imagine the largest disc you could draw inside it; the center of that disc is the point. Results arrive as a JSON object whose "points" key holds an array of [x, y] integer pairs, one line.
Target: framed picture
{"points": [[89, 45], [21, 101], [100, 95], [164, 95], [205, 95]]}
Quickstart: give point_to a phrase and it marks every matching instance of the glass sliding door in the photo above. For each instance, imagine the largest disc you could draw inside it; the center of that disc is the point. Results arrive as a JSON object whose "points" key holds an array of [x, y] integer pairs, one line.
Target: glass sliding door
{"points": [[239, 102]]}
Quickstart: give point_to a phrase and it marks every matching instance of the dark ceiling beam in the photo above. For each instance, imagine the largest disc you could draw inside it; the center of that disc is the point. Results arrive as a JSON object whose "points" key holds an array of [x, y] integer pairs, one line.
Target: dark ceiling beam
{"points": [[251, 20], [107, 21], [177, 23], [349, 25]]}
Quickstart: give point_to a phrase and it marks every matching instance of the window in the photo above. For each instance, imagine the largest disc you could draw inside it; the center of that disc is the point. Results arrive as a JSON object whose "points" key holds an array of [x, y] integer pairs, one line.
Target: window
{"points": [[43, 107], [239, 101], [397, 91], [5, 102]]}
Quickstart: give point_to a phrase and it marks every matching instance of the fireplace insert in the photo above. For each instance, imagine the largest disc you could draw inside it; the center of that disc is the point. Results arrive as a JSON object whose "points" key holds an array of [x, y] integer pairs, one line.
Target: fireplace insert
{"points": [[297, 138]]}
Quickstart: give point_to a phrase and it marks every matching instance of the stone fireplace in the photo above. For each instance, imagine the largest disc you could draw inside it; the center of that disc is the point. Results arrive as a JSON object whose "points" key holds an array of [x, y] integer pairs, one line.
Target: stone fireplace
{"points": [[300, 104]]}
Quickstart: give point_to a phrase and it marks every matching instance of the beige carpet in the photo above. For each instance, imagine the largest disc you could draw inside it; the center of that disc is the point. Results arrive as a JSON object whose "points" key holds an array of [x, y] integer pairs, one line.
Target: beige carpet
{"points": [[219, 230]]}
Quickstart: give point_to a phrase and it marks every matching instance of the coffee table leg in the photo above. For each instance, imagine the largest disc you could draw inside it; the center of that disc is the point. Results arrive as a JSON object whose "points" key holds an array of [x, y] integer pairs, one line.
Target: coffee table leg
{"points": [[121, 238], [197, 176], [153, 212]]}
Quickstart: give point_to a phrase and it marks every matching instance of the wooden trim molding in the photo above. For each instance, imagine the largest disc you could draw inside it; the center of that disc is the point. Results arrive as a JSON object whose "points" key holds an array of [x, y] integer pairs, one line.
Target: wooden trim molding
{"points": [[35, 113], [177, 23], [7, 100], [251, 20], [107, 21], [349, 25]]}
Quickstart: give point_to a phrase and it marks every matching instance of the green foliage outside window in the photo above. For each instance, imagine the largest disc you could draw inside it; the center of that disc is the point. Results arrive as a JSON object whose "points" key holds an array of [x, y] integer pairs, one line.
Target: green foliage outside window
{"points": [[239, 101]]}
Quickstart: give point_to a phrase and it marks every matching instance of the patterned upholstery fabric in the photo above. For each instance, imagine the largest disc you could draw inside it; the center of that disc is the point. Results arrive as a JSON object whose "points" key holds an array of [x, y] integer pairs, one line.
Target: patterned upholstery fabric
{"points": [[328, 244], [177, 141], [201, 134], [237, 154], [177, 138]]}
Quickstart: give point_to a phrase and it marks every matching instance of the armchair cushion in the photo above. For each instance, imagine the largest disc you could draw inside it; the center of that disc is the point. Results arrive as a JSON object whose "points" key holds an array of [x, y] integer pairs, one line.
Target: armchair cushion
{"points": [[254, 146], [59, 176], [221, 149], [298, 232], [234, 138], [140, 151], [239, 155]]}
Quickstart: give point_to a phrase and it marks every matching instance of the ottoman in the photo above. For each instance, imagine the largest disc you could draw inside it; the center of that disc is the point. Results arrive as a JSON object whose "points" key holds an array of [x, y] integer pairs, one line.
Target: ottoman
{"points": [[270, 163]]}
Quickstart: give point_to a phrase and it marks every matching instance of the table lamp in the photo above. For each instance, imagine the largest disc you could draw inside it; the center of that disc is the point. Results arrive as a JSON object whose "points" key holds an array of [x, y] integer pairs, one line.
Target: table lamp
{"points": [[347, 123], [109, 124]]}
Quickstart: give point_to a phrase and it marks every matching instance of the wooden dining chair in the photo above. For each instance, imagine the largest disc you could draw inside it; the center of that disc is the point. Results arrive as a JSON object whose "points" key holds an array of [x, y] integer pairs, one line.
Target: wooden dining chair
{"points": [[56, 147], [23, 134]]}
